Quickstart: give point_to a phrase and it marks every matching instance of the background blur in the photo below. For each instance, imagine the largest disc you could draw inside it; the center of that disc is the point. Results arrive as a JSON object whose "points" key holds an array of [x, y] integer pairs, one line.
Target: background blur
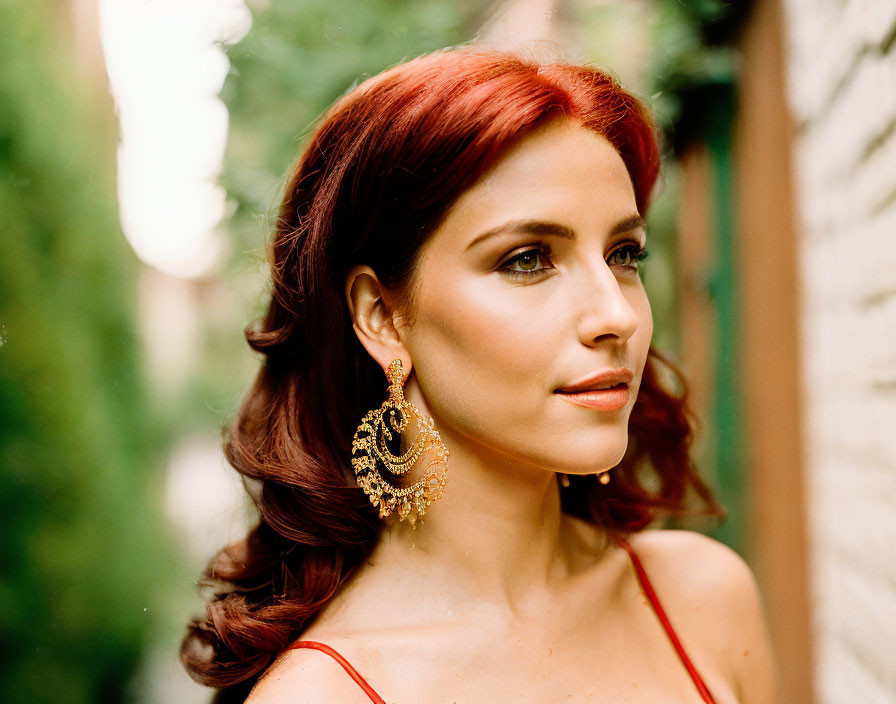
{"points": [[142, 149]]}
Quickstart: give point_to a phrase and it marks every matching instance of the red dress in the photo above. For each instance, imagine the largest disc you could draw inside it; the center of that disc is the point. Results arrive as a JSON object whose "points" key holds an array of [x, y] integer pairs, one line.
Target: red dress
{"points": [[648, 590]]}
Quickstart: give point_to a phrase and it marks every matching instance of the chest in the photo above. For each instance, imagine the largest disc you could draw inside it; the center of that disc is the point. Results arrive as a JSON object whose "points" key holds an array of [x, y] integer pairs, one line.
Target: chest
{"points": [[628, 660]]}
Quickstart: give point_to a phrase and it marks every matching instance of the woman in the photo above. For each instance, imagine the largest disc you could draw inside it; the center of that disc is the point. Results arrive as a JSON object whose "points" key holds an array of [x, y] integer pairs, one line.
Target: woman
{"points": [[460, 432]]}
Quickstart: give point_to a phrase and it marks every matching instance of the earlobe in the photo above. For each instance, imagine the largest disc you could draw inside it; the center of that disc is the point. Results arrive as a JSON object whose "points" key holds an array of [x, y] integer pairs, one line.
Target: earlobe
{"points": [[372, 318]]}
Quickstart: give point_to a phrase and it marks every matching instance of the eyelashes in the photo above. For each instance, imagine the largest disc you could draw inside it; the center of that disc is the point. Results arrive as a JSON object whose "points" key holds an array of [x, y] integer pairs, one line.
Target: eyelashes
{"points": [[524, 257], [634, 255]]}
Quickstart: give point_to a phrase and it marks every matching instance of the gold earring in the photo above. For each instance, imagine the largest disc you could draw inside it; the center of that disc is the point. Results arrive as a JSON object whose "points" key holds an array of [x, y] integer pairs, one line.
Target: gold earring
{"points": [[604, 478], [370, 442]]}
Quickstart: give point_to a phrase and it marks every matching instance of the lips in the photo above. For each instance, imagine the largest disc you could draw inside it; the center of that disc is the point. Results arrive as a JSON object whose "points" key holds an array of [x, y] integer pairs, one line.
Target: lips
{"points": [[604, 379], [606, 390]]}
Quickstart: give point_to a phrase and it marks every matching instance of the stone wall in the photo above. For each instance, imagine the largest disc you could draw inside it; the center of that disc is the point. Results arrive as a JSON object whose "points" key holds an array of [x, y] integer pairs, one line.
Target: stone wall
{"points": [[841, 83]]}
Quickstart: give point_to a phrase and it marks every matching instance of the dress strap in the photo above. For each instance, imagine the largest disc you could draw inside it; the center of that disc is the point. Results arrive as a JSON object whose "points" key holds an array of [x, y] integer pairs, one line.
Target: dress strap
{"points": [[353, 673], [657, 607]]}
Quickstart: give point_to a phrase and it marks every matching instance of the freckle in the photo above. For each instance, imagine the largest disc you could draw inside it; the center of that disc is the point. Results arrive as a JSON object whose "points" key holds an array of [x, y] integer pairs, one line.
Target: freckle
{"points": [[746, 652]]}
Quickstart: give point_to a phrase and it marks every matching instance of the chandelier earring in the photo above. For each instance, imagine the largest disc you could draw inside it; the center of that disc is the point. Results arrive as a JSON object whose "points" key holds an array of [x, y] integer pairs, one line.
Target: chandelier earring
{"points": [[378, 442]]}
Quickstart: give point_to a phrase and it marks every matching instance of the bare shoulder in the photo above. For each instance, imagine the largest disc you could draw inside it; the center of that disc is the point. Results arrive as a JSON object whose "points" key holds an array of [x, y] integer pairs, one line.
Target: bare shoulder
{"points": [[693, 557], [306, 674], [710, 590]]}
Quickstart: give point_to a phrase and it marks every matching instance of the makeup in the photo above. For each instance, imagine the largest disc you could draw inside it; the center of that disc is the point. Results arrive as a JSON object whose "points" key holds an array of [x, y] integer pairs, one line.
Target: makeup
{"points": [[611, 399]]}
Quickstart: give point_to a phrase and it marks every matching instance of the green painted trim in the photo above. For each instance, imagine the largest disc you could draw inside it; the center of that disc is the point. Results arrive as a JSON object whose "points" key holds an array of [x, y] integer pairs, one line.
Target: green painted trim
{"points": [[729, 447]]}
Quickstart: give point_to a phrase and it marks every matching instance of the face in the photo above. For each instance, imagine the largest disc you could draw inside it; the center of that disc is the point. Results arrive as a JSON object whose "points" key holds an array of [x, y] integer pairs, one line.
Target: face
{"points": [[530, 284]]}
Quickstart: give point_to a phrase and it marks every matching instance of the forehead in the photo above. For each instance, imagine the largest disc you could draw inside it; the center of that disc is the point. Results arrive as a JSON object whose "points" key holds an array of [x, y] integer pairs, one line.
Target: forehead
{"points": [[562, 172]]}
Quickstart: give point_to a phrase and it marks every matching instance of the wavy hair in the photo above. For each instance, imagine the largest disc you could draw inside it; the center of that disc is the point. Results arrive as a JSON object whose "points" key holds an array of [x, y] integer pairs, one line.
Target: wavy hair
{"points": [[377, 176]]}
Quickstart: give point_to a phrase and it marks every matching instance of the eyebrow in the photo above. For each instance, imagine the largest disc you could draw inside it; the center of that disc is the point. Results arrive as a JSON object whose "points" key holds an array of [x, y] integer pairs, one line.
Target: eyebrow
{"points": [[542, 227]]}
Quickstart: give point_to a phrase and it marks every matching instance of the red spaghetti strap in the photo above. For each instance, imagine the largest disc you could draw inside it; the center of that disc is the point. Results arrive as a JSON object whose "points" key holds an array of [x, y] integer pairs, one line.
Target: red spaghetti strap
{"points": [[654, 600], [353, 673]]}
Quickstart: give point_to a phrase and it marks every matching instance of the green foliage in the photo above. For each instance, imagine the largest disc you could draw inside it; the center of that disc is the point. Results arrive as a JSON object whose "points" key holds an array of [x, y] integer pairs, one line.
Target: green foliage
{"points": [[693, 67], [80, 543]]}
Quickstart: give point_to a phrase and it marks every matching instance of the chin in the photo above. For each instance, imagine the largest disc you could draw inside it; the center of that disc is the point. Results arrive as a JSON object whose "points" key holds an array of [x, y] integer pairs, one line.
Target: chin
{"points": [[596, 457]]}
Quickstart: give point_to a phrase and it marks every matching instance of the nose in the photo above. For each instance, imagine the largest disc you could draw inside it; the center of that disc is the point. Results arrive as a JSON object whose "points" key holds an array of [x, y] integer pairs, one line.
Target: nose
{"points": [[602, 308]]}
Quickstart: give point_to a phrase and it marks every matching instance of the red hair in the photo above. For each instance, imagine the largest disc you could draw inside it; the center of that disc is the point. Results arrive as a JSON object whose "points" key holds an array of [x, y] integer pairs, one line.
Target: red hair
{"points": [[378, 175]]}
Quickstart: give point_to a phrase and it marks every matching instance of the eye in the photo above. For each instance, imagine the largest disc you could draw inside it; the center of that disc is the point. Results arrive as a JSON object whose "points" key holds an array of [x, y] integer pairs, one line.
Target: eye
{"points": [[527, 262], [632, 253]]}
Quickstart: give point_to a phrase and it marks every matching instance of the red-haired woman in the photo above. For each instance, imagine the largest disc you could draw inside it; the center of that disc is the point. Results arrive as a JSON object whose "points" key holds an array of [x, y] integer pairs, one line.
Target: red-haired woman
{"points": [[460, 432]]}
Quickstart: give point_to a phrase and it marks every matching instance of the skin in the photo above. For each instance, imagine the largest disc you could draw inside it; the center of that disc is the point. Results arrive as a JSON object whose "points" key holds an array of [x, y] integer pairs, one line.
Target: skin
{"points": [[498, 595]]}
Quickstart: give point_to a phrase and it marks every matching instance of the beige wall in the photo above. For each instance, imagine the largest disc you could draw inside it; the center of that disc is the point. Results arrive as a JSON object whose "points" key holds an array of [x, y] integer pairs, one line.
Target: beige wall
{"points": [[841, 72]]}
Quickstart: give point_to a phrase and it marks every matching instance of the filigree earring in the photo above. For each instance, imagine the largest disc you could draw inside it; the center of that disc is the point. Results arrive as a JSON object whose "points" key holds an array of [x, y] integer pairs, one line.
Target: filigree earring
{"points": [[371, 443]]}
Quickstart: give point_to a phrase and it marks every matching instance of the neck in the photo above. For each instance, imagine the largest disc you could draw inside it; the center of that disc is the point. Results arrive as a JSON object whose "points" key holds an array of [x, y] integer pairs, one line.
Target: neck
{"points": [[495, 543]]}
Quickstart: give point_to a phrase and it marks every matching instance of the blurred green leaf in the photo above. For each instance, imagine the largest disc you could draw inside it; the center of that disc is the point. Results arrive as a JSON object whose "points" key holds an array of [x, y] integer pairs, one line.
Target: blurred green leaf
{"points": [[82, 548]]}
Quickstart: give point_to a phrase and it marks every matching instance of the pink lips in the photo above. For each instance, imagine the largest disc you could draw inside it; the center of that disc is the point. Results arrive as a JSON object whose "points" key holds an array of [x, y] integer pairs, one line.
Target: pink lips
{"points": [[606, 390]]}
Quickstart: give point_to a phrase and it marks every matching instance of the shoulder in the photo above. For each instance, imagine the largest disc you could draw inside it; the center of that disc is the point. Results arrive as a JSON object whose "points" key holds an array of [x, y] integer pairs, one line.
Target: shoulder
{"points": [[710, 590], [306, 674], [697, 578], [702, 560]]}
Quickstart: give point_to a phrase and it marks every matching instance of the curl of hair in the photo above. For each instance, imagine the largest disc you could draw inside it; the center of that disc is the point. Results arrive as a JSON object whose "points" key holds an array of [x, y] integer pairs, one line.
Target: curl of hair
{"points": [[378, 175]]}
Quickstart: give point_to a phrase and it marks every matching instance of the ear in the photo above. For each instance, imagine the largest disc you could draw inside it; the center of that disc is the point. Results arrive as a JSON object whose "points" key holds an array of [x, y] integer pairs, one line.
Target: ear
{"points": [[374, 317]]}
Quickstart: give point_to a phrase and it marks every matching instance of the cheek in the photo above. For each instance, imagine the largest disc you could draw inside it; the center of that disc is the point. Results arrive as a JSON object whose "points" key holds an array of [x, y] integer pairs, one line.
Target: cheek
{"points": [[483, 356]]}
